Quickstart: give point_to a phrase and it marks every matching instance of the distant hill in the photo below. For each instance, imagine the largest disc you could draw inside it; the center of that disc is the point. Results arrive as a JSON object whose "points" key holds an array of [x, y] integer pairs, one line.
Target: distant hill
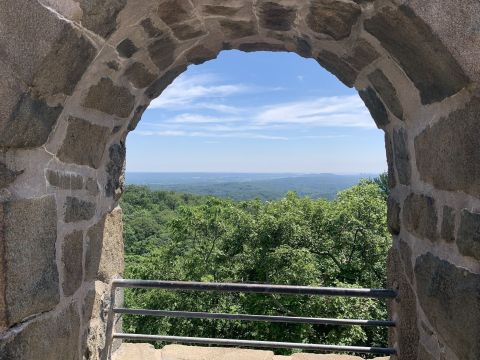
{"points": [[248, 186]]}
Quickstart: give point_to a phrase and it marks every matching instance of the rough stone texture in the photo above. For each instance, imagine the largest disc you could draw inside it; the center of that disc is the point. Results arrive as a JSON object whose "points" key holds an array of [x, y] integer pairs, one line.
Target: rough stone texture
{"points": [[338, 67], [393, 216], [423, 354], [100, 15], [104, 255], [333, 17], [432, 60], [361, 55], [447, 152], [188, 30], [234, 29], [387, 92], [29, 280], [392, 182], [67, 181], [375, 106], [161, 51], [448, 224], [200, 54], [468, 240], [420, 216], [29, 124], [138, 74], [72, 258], [175, 11], [7, 176], [109, 98], [84, 143], [50, 337], [150, 28], [126, 48], [161, 84], [92, 187], [449, 296], [402, 156], [78, 210], [275, 16], [116, 170], [136, 117]]}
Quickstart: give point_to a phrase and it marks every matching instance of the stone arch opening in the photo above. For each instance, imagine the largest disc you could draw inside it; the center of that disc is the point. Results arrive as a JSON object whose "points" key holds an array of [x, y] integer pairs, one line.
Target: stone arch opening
{"points": [[77, 75]]}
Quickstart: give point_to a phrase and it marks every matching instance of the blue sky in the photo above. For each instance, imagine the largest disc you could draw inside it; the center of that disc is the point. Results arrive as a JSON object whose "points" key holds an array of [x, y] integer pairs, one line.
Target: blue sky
{"points": [[257, 112]]}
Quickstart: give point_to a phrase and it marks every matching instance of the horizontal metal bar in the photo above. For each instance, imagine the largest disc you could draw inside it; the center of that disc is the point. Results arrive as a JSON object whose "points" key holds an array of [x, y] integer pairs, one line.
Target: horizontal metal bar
{"points": [[257, 344], [246, 317], [255, 288]]}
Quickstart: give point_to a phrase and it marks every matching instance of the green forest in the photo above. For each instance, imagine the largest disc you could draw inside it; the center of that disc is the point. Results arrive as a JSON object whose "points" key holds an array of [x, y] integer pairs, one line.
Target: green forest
{"points": [[294, 240]]}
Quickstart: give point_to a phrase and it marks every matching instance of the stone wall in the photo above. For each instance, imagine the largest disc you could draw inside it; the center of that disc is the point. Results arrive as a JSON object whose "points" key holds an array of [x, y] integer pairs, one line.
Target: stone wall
{"points": [[76, 75]]}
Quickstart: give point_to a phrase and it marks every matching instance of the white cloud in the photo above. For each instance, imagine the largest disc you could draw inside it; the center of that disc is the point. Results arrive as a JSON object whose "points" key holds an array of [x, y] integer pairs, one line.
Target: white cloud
{"points": [[205, 134]]}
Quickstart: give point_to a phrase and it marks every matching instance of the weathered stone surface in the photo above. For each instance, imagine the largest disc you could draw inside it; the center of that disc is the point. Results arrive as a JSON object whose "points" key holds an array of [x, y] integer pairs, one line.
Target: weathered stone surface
{"points": [[72, 255], [78, 210], [449, 297], [419, 51], [67, 181], [468, 240], [126, 48], [393, 216], [447, 153], [236, 29], [161, 51], [50, 337], [84, 143], [29, 277], [361, 55], [100, 16], [161, 83], [277, 17], [92, 187], [402, 156], [333, 17], [30, 123], [199, 54], [375, 106], [251, 47], [392, 182], [104, 256], [221, 10], [387, 92], [420, 216], [188, 30], [114, 65], [7, 176], [116, 170], [338, 67], [175, 11], [139, 75], [136, 117], [448, 224], [150, 28], [109, 98]]}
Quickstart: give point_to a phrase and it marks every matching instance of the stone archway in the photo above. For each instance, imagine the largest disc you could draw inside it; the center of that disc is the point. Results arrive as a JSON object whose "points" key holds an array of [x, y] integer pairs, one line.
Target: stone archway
{"points": [[76, 76]]}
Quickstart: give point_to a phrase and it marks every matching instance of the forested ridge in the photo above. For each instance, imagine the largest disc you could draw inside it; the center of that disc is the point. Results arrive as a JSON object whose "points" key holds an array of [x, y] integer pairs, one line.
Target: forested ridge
{"points": [[295, 240]]}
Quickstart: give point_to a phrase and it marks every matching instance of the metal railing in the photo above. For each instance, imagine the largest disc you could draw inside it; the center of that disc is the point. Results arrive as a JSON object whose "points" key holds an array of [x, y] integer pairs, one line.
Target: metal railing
{"points": [[247, 288]]}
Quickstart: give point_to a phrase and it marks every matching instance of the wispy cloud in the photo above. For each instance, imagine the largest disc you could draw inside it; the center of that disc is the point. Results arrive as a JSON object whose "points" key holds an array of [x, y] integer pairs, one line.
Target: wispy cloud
{"points": [[204, 134]]}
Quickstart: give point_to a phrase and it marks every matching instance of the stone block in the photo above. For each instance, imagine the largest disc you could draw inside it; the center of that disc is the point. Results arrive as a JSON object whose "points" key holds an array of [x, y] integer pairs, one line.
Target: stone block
{"points": [[104, 253], [175, 11], [72, 262], [109, 98], [449, 297], [100, 16], [274, 16], [162, 51], [126, 48], [333, 17], [393, 216], [116, 170], [162, 82], [392, 182], [65, 181], [29, 277], [78, 210], [402, 156], [468, 240], [387, 92], [338, 67], [199, 54], [419, 51], [375, 107], [237, 29], [84, 143], [361, 55], [150, 29], [188, 30], [420, 216], [139, 75], [448, 224], [221, 10], [7, 176]]}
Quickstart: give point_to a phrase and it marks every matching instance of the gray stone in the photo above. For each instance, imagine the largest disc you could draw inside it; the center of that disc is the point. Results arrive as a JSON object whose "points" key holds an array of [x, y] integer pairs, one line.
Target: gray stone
{"points": [[468, 240], [53, 336], [447, 153], [161, 51], [393, 216], [375, 107], [449, 297], [303, 47], [126, 48], [92, 187], [72, 258], [423, 354], [84, 143], [161, 83], [114, 65], [448, 224], [78, 210], [30, 123], [392, 182], [274, 16], [338, 67], [29, 278], [402, 156], [139, 75], [421, 54], [333, 17], [100, 16], [175, 11], [199, 54], [221, 10], [116, 170], [387, 92], [188, 30], [7, 176], [236, 29], [109, 98], [67, 181], [361, 55], [104, 254], [151, 30], [136, 117], [261, 46], [420, 216]]}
